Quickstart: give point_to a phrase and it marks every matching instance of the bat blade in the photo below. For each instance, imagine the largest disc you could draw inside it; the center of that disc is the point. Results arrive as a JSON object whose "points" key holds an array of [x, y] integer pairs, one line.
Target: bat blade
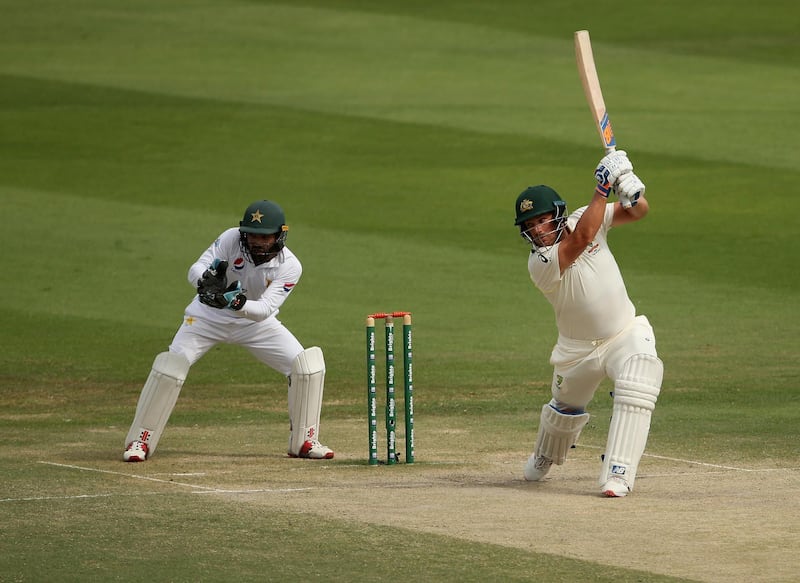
{"points": [[592, 90]]}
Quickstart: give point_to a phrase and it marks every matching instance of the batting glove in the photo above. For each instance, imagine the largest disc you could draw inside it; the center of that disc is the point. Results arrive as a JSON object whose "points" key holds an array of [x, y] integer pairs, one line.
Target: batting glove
{"points": [[610, 168], [629, 188]]}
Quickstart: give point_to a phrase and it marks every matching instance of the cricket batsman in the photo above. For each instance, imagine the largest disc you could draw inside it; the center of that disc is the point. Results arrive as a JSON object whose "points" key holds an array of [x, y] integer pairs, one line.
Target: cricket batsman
{"points": [[599, 333], [242, 280]]}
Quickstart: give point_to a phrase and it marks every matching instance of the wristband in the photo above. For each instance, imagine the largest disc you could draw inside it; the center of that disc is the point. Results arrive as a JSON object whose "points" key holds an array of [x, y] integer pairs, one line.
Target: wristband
{"points": [[603, 189]]}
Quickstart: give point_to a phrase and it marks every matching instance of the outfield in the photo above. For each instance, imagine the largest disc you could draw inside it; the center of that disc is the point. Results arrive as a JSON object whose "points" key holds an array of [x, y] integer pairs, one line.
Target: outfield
{"points": [[396, 136]]}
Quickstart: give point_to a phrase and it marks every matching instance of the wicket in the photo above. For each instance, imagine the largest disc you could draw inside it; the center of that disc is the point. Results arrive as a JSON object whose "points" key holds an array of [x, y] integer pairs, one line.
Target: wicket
{"points": [[372, 393]]}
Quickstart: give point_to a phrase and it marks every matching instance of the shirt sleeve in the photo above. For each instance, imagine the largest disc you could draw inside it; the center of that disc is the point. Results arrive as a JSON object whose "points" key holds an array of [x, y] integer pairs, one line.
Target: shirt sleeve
{"points": [[278, 290], [204, 262]]}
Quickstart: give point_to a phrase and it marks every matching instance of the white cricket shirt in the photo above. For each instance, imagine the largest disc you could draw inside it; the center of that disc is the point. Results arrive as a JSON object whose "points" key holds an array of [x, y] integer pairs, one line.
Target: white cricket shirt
{"points": [[266, 286], [589, 299]]}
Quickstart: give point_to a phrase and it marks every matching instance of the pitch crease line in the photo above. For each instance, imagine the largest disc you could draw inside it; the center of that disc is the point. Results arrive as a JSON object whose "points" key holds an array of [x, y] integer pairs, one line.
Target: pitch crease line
{"points": [[684, 461], [205, 489]]}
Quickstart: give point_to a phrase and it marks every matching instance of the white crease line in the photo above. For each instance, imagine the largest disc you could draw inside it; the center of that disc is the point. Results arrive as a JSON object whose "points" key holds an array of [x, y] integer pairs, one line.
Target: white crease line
{"points": [[76, 497], [204, 489], [255, 491], [174, 483], [674, 459]]}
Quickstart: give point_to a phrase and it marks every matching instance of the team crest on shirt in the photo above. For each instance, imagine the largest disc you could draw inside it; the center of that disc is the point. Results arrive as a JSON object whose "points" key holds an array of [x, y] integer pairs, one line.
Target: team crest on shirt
{"points": [[238, 263]]}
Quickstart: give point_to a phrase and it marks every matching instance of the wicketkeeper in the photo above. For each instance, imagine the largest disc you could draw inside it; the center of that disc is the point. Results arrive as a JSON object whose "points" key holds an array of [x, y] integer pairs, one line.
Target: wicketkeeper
{"points": [[599, 333], [242, 280]]}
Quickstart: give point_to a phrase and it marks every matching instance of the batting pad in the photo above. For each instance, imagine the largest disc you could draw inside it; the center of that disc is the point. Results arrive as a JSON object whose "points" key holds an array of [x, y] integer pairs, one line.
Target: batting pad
{"points": [[158, 398], [557, 433], [635, 394], [306, 384]]}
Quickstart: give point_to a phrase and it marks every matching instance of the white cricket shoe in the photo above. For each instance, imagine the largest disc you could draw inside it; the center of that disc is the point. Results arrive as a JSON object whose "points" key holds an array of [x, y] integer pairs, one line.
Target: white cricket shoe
{"points": [[615, 487], [313, 449], [135, 452], [536, 468]]}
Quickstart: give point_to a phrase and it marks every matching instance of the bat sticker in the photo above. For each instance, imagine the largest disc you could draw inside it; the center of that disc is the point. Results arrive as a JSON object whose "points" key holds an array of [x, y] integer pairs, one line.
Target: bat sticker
{"points": [[608, 133]]}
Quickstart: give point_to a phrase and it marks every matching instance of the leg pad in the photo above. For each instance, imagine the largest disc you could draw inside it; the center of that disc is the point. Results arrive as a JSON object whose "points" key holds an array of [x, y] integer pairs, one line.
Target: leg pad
{"points": [[635, 395], [558, 432], [306, 385], [157, 399]]}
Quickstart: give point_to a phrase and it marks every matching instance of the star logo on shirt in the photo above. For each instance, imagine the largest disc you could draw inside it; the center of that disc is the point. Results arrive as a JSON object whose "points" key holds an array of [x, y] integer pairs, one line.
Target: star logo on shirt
{"points": [[256, 216]]}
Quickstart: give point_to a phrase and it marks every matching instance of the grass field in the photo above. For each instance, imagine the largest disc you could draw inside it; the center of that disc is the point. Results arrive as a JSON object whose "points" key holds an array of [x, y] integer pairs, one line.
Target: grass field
{"points": [[396, 136]]}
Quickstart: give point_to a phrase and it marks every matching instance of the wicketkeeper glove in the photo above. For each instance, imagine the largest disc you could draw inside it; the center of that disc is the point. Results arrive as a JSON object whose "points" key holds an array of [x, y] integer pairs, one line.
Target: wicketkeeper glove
{"points": [[235, 297], [232, 297], [610, 168], [213, 280]]}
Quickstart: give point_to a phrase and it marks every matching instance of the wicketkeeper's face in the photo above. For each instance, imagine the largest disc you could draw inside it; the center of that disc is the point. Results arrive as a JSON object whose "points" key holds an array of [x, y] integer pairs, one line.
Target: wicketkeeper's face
{"points": [[260, 244]]}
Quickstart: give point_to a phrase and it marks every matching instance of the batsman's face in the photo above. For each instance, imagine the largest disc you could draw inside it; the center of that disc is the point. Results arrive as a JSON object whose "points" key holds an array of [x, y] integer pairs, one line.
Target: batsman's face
{"points": [[543, 230]]}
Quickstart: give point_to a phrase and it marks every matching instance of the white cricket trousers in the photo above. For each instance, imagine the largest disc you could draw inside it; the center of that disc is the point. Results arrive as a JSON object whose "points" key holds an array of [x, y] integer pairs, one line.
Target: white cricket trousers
{"points": [[580, 365], [269, 340]]}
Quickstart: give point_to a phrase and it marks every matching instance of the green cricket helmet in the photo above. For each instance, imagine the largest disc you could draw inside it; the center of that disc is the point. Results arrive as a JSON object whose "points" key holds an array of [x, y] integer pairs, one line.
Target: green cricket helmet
{"points": [[263, 217], [535, 201]]}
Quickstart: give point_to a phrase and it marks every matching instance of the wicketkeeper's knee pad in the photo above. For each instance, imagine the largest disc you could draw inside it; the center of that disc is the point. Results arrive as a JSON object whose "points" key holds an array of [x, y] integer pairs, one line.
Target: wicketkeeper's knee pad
{"points": [[635, 394], [558, 432], [306, 384]]}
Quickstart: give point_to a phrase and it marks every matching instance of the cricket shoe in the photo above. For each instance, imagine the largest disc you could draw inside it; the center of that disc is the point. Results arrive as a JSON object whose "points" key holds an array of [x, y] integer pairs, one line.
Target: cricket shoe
{"points": [[615, 487], [313, 449], [135, 452], [536, 468]]}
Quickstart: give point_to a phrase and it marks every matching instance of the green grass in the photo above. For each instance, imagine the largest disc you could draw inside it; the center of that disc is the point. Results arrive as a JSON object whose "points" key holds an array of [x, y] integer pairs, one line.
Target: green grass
{"points": [[396, 136]]}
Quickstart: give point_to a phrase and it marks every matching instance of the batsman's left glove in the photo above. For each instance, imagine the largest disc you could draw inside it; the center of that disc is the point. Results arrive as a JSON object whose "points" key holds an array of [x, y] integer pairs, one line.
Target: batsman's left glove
{"points": [[609, 169]]}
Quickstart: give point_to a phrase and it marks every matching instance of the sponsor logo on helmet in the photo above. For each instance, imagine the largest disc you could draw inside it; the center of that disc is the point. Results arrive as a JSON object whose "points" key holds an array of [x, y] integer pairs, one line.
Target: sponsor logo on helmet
{"points": [[525, 205], [256, 216], [238, 263], [287, 287]]}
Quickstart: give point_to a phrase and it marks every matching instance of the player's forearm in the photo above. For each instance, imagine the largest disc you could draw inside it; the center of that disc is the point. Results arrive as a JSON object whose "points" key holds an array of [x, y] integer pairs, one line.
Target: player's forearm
{"points": [[590, 222], [639, 210]]}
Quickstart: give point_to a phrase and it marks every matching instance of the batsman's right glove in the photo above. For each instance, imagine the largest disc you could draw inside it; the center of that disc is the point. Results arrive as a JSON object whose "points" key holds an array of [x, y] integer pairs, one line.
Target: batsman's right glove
{"points": [[629, 188]]}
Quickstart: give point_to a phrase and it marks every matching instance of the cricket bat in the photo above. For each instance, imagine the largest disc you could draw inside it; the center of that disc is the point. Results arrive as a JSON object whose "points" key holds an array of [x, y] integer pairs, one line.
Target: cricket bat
{"points": [[591, 88]]}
